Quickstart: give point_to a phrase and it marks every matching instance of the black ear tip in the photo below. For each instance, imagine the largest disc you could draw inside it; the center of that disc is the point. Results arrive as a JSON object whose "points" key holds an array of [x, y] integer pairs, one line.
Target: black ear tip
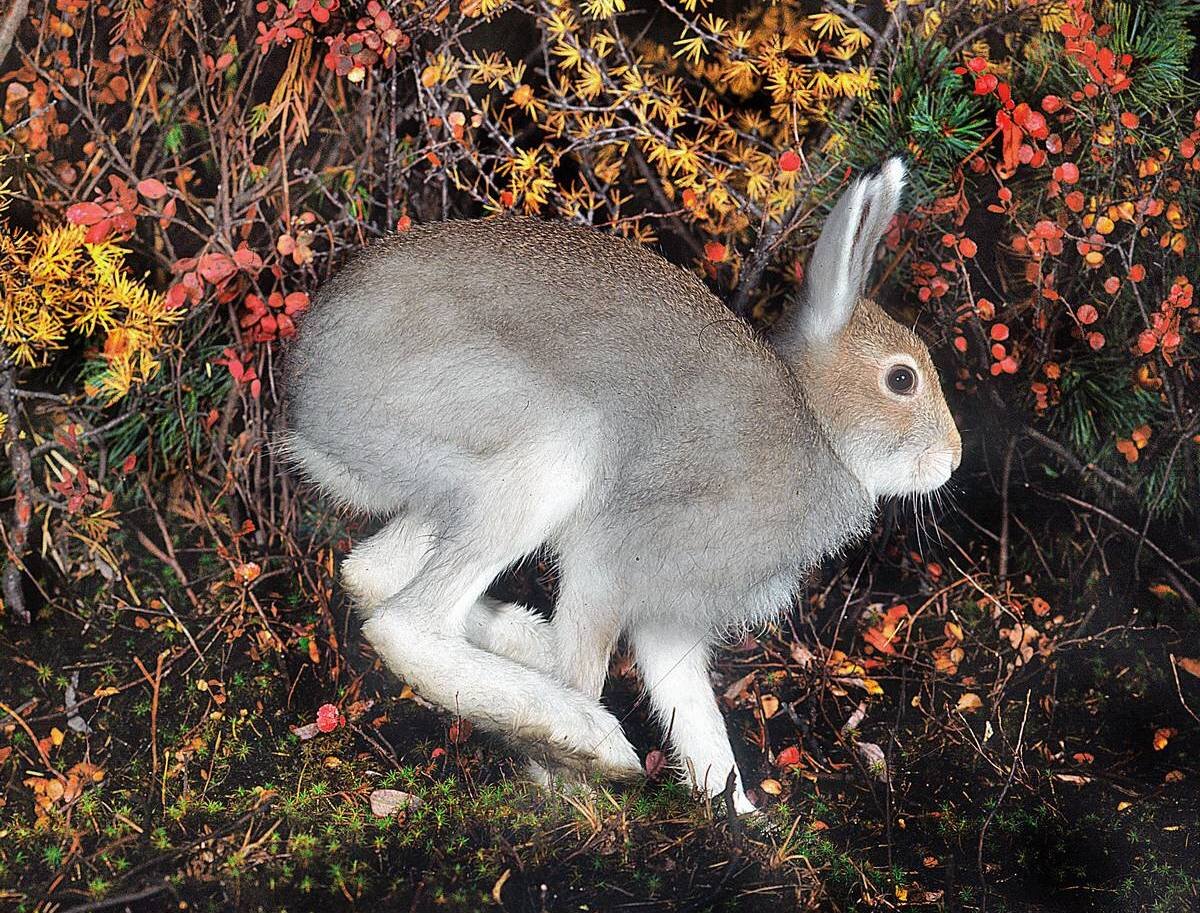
{"points": [[893, 165]]}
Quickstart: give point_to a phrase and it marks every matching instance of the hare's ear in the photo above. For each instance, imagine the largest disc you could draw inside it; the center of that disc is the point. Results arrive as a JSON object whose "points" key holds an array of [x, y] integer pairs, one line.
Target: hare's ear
{"points": [[837, 273]]}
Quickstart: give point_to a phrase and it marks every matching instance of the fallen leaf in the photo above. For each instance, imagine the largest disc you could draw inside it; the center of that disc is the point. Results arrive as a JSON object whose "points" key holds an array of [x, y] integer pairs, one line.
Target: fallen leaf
{"points": [[803, 656], [771, 787], [969, 703], [305, 732], [1073, 779], [1189, 665], [731, 693], [769, 704], [1162, 736], [386, 802], [789, 757], [656, 763]]}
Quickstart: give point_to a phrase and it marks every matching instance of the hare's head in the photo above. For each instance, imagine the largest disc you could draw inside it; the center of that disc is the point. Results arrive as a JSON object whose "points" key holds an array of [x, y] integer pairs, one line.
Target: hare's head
{"points": [[869, 379]]}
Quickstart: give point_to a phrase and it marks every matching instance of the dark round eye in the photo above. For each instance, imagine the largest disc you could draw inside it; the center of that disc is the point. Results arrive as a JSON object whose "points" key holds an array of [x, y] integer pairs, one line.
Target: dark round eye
{"points": [[902, 379]]}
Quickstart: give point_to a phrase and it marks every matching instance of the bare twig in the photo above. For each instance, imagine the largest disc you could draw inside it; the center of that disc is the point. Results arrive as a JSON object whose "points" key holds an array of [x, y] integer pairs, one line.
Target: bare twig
{"points": [[1005, 478], [995, 808]]}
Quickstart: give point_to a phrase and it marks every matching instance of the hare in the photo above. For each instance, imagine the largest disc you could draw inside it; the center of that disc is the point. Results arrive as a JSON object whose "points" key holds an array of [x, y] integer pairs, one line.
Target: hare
{"points": [[490, 387]]}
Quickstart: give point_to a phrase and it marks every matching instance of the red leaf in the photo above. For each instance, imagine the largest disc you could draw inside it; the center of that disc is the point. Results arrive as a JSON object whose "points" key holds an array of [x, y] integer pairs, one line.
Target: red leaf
{"points": [[86, 213], [986, 84], [152, 189], [216, 268], [789, 757], [328, 717], [247, 260], [98, 232]]}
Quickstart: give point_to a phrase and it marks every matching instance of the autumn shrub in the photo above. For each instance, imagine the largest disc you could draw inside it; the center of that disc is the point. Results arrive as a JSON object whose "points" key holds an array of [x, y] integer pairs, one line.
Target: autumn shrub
{"points": [[240, 154]]}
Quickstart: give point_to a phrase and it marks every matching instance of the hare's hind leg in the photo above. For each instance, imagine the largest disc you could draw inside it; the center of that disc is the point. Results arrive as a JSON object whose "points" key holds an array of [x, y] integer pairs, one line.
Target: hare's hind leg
{"points": [[674, 666], [385, 563], [421, 633], [512, 630]]}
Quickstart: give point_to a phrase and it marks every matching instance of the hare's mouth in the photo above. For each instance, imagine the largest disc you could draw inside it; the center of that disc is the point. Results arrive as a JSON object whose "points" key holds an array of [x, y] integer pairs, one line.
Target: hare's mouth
{"points": [[934, 468]]}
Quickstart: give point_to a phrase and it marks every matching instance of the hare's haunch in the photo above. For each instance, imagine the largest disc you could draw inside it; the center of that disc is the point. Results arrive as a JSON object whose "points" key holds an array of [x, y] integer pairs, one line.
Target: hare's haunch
{"points": [[490, 387]]}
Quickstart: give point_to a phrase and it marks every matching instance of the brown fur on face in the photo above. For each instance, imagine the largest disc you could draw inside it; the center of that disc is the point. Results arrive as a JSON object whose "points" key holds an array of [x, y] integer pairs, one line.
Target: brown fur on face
{"points": [[887, 440]]}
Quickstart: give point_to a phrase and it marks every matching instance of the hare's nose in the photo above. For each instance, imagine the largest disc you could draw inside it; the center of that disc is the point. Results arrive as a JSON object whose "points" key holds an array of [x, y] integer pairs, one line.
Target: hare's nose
{"points": [[955, 449]]}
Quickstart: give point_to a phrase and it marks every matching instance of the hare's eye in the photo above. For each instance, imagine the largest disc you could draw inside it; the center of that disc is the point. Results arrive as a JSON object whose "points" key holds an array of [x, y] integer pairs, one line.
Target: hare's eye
{"points": [[902, 379]]}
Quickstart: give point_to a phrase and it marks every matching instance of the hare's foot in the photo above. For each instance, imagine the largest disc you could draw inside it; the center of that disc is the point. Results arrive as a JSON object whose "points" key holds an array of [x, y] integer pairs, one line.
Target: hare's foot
{"points": [[586, 740], [555, 778], [674, 668]]}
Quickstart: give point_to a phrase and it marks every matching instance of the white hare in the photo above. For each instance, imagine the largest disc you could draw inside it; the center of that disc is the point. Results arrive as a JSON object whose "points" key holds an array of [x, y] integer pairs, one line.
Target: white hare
{"points": [[490, 387]]}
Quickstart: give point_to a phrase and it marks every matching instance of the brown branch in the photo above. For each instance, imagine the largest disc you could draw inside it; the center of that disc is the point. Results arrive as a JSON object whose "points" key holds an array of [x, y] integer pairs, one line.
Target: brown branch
{"points": [[12, 581], [13, 17], [1084, 469], [1136, 534]]}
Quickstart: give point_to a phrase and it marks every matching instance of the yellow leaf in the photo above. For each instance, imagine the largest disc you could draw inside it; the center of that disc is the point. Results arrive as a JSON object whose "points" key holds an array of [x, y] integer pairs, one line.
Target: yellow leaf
{"points": [[1162, 736], [969, 703], [56, 736], [771, 787]]}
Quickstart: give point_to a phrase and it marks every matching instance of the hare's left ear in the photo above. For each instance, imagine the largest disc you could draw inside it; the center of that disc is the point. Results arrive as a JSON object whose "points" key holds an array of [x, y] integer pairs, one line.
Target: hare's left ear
{"points": [[837, 273]]}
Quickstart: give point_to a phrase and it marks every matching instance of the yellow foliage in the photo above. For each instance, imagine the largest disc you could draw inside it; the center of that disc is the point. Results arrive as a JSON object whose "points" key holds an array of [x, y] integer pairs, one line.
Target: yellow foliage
{"points": [[54, 284], [708, 109]]}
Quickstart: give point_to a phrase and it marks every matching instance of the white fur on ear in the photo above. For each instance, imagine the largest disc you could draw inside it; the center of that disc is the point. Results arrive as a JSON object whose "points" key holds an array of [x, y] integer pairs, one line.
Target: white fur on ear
{"points": [[837, 272]]}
